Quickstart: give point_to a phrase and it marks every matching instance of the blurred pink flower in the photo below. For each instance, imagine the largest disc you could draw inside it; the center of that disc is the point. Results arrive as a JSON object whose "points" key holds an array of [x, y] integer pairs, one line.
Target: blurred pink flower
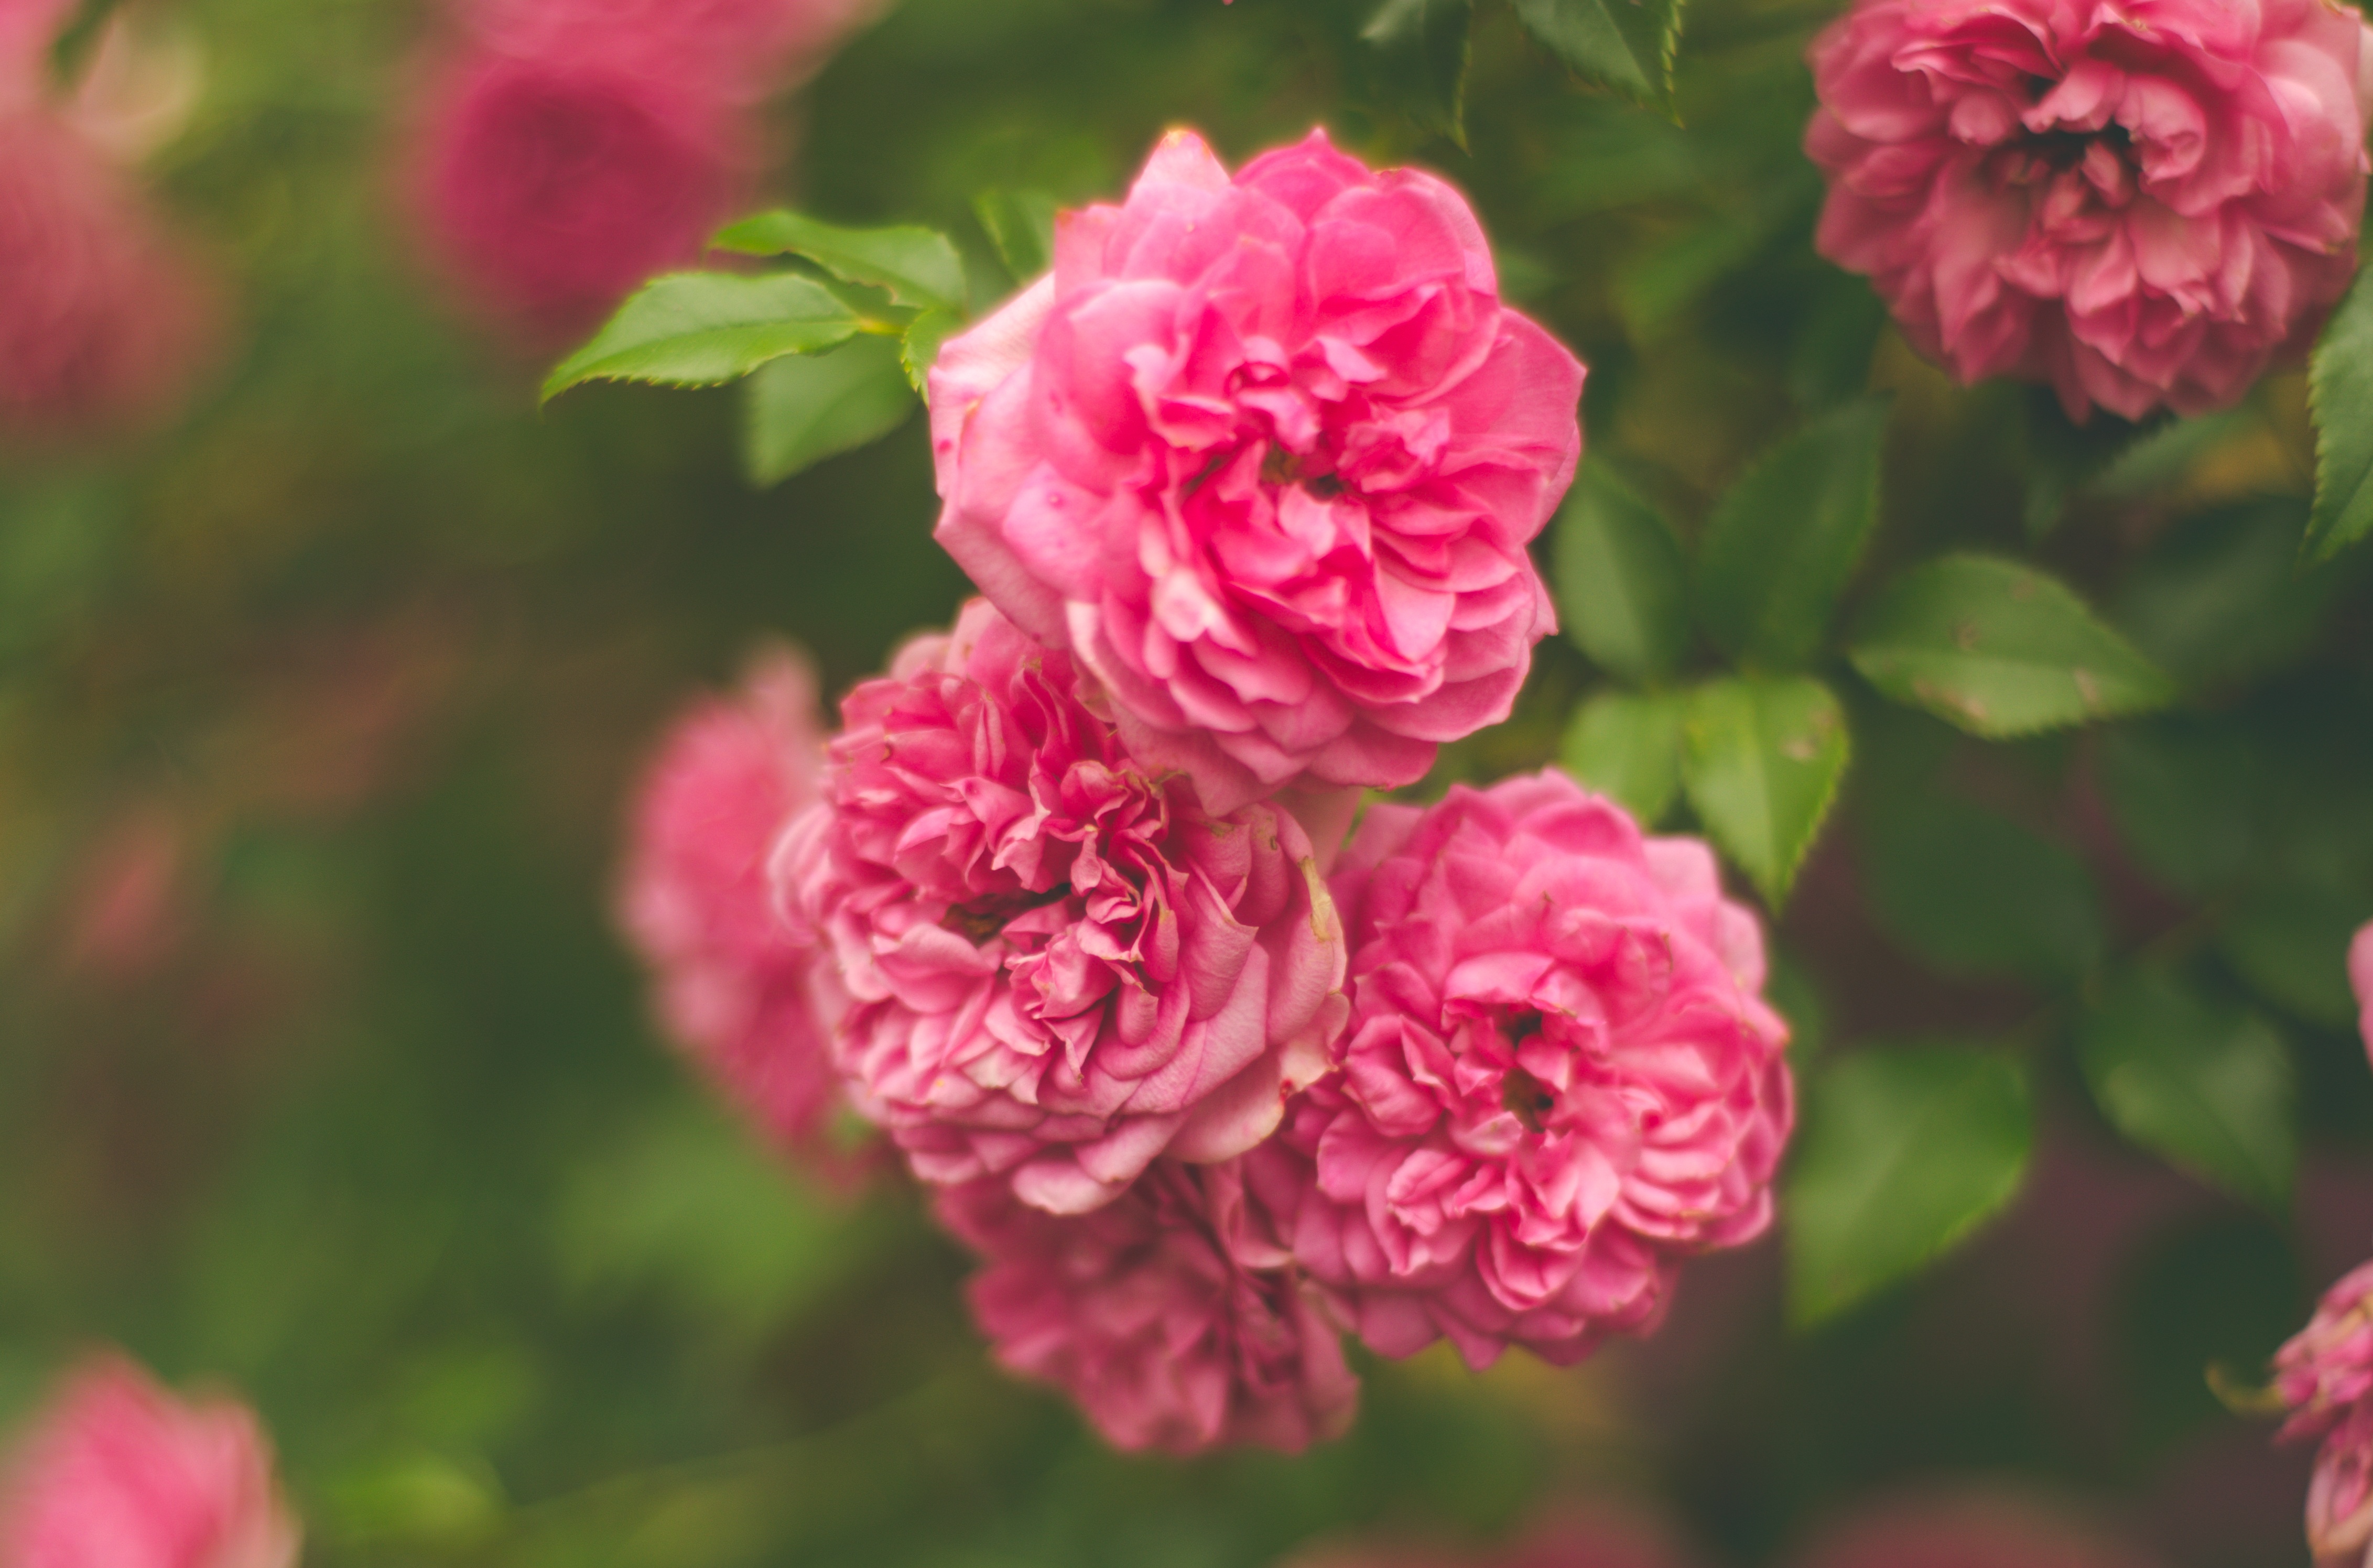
{"points": [[1967, 1530], [1264, 453], [2360, 970], [739, 49], [2323, 1376], [1172, 1315], [2140, 201], [1588, 1537], [1561, 1077], [117, 1473], [2340, 1497], [731, 974], [1050, 964], [125, 915]]}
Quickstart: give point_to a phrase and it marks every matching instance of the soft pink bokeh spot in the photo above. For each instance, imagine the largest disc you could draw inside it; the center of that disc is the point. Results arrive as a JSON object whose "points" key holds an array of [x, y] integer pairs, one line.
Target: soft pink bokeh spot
{"points": [[1048, 963], [2139, 202], [2360, 980], [1264, 452], [118, 1473], [1967, 1530], [1173, 1315], [1559, 1079]]}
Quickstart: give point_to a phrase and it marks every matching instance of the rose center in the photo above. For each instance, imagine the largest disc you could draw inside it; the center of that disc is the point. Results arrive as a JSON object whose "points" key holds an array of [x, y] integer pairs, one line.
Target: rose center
{"points": [[1528, 1097], [1282, 467], [983, 918], [2063, 148]]}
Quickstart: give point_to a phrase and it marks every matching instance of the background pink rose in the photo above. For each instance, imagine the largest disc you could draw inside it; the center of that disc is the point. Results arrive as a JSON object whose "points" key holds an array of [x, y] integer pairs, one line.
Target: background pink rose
{"points": [[117, 1473], [2360, 980], [1265, 452], [2140, 203], [1560, 1077], [731, 974], [2323, 1376], [1047, 963], [1173, 1315], [1967, 1530]]}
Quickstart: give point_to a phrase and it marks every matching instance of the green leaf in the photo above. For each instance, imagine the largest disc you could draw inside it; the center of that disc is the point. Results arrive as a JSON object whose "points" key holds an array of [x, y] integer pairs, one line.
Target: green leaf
{"points": [[1903, 1153], [917, 266], [2340, 394], [2182, 795], [2220, 597], [1021, 224], [2207, 1086], [1628, 45], [1420, 50], [1829, 362], [802, 410], [1781, 545], [1621, 584], [1628, 746], [920, 347], [698, 328], [2289, 941], [1972, 893], [2000, 650], [1763, 759]]}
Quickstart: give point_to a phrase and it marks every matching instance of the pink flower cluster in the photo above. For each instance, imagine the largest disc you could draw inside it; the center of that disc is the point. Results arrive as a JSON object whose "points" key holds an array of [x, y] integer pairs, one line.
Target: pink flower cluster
{"points": [[569, 149], [2139, 202], [117, 1473], [1248, 483]]}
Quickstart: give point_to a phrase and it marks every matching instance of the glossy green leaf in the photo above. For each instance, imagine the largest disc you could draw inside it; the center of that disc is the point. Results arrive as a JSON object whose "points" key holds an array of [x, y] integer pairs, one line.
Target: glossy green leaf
{"points": [[1628, 45], [1021, 224], [1622, 587], [698, 328], [1781, 545], [2205, 1085], [1762, 758], [2339, 392], [800, 410], [918, 267], [920, 347], [1420, 50], [1973, 893], [1901, 1153], [1628, 745], [2000, 650]]}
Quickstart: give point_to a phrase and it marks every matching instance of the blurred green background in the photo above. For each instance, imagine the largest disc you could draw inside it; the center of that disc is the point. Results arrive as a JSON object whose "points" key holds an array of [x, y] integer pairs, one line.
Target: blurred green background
{"points": [[323, 1074]]}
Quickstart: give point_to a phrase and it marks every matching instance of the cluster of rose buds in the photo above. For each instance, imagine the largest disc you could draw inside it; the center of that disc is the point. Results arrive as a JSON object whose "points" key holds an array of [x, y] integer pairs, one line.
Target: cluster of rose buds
{"points": [[2141, 203], [569, 149], [1248, 483]]}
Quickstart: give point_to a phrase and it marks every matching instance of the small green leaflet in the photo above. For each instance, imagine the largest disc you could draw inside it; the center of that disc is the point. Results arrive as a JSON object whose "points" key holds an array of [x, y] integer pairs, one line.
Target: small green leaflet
{"points": [[1902, 1154], [2208, 1086], [921, 347], [2000, 650], [1420, 53], [918, 267], [1021, 224], [1622, 587], [1761, 759], [2340, 393], [802, 409], [1628, 45], [698, 328], [1628, 745]]}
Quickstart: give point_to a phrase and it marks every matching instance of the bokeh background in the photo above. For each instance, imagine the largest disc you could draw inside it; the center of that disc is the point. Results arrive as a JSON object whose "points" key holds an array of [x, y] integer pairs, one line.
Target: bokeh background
{"points": [[323, 1074]]}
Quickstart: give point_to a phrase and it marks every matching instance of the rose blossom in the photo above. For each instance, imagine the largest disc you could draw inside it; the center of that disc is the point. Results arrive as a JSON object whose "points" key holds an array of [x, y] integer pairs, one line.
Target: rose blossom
{"points": [[731, 973], [742, 49], [1970, 1530], [1172, 1315], [1264, 453], [117, 1473], [1559, 1076], [2323, 1376], [1050, 964], [2140, 201]]}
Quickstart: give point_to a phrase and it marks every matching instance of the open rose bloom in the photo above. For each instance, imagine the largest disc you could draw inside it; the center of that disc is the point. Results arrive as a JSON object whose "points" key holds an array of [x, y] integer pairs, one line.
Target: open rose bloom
{"points": [[1264, 453], [1173, 1316], [2139, 202], [1560, 1077], [117, 1473], [2324, 1377], [1046, 962]]}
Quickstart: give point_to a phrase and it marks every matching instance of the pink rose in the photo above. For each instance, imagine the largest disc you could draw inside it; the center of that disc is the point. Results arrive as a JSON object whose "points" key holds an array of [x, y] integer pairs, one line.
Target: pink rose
{"points": [[2360, 960], [117, 1473], [743, 49], [1050, 964], [2340, 1496], [731, 974], [1173, 1315], [2323, 1376], [1559, 1080], [1264, 453], [2140, 202], [1970, 1530]]}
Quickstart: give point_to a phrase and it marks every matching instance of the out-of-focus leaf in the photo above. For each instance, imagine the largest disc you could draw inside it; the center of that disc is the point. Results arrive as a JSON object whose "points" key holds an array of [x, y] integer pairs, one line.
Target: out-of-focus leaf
{"points": [[920, 347], [1658, 285], [2220, 596], [1974, 893], [1628, 745], [1420, 50], [1781, 545], [2207, 1085], [2062, 456], [2159, 454], [2289, 941], [1830, 363], [1790, 990], [698, 328], [1611, 156], [1762, 758], [1902, 1154], [1021, 224], [802, 410], [1628, 45], [2182, 793], [1622, 587], [2000, 649], [2340, 391], [918, 267], [413, 1500]]}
